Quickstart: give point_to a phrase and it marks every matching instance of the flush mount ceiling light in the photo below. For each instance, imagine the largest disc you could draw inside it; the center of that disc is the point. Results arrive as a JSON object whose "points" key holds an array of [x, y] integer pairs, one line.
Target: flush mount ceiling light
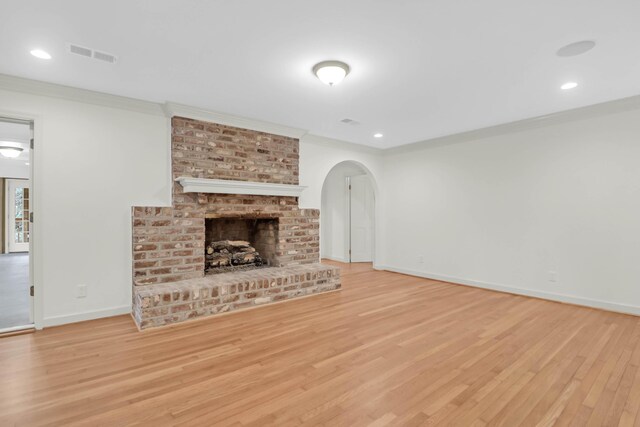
{"points": [[39, 53], [11, 152], [569, 85], [575, 49], [331, 72], [378, 135]]}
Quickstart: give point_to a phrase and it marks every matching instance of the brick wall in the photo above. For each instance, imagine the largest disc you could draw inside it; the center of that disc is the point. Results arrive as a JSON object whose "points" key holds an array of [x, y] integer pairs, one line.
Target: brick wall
{"points": [[208, 150], [168, 242]]}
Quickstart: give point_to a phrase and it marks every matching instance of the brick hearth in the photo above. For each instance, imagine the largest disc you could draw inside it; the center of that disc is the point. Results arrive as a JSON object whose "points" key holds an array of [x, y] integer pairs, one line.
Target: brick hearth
{"points": [[159, 305]]}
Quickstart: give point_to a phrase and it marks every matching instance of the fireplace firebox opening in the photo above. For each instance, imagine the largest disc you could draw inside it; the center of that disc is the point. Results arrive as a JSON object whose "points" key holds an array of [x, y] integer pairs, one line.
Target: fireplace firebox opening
{"points": [[233, 244]]}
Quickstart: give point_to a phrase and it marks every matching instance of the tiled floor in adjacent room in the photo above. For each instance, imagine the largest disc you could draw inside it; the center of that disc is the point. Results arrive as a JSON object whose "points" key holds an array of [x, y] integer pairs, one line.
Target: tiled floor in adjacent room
{"points": [[14, 290]]}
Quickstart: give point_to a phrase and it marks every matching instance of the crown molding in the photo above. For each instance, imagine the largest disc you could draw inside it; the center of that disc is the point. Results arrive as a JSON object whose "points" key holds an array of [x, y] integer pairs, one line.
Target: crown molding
{"points": [[566, 116], [173, 109], [35, 87]]}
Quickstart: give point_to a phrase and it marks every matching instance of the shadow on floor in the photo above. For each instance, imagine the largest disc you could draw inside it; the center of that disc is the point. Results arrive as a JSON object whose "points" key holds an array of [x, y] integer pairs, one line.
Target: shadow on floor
{"points": [[14, 290]]}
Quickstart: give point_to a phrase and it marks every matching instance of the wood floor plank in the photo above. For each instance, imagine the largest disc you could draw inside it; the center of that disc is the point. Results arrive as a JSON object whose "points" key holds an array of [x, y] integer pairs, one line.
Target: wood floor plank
{"points": [[387, 350]]}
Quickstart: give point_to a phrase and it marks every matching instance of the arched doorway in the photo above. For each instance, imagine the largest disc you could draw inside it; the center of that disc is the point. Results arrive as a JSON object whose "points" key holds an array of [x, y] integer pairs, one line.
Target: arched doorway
{"points": [[347, 214]]}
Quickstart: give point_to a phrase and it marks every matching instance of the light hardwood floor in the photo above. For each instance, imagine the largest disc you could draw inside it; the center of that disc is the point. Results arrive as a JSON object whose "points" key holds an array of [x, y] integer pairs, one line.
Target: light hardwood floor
{"points": [[388, 349]]}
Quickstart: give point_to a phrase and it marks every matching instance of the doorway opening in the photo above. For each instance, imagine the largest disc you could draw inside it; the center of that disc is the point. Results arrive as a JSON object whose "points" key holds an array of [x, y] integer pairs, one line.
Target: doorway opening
{"points": [[16, 301], [347, 214]]}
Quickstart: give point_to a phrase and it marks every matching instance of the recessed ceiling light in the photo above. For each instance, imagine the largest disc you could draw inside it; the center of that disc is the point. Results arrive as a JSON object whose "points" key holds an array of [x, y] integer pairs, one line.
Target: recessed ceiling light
{"points": [[11, 152], [575, 49], [378, 135], [569, 85], [331, 72], [39, 53]]}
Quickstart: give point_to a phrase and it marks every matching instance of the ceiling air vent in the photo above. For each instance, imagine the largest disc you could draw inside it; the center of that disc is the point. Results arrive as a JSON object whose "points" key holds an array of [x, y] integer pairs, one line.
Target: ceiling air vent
{"points": [[79, 50], [349, 122], [106, 57], [91, 53]]}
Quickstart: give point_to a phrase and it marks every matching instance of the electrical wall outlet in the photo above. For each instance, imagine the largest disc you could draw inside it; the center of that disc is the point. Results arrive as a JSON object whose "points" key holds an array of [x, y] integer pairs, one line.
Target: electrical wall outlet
{"points": [[553, 276], [81, 291], [420, 259]]}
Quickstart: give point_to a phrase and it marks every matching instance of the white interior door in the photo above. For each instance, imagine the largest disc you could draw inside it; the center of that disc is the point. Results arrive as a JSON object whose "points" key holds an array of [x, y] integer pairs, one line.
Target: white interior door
{"points": [[19, 202], [361, 219]]}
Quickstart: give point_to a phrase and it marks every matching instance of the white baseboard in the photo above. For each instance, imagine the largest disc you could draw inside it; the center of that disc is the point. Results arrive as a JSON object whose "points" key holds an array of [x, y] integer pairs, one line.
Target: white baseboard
{"points": [[569, 299], [16, 328], [86, 315], [335, 258]]}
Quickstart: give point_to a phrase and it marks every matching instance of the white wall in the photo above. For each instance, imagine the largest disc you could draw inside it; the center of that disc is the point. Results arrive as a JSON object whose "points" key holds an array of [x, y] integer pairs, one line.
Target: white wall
{"points": [[334, 213], [92, 163], [504, 211], [318, 156], [17, 135], [9, 168]]}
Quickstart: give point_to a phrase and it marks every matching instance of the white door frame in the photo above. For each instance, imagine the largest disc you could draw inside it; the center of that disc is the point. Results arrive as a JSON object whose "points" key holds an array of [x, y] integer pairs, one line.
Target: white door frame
{"points": [[36, 275], [347, 220], [5, 231], [10, 186]]}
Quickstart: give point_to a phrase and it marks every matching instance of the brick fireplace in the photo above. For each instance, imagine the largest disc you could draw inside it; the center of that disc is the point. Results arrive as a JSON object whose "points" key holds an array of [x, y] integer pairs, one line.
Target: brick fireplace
{"points": [[173, 247]]}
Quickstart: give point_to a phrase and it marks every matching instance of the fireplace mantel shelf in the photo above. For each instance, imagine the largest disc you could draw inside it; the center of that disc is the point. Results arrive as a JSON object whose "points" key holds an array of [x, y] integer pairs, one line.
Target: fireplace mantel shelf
{"points": [[223, 186]]}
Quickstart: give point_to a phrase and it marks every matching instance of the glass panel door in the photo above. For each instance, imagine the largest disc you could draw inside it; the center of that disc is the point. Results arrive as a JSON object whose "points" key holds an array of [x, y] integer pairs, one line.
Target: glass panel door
{"points": [[19, 209]]}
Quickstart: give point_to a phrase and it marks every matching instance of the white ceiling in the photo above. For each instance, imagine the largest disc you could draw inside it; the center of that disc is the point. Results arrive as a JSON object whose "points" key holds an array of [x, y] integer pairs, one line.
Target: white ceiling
{"points": [[15, 135], [420, 69]]}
